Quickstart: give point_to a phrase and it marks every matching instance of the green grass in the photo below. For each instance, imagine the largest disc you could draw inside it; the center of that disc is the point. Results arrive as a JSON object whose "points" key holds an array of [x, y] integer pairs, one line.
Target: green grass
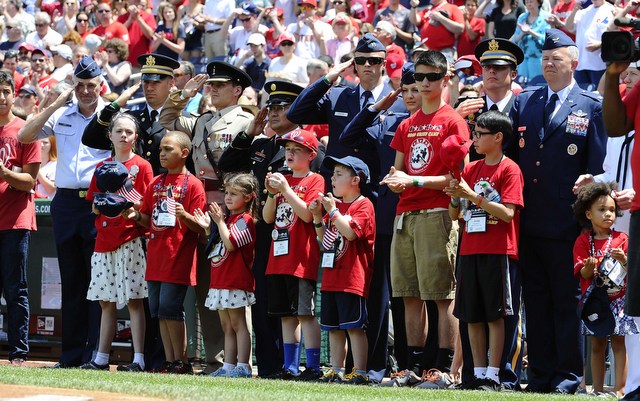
{"points": [[207, 388]]}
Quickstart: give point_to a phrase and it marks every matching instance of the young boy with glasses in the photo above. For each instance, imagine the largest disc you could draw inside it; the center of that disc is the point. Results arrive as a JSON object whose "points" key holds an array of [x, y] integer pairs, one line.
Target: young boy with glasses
{"points": [[489, 196], [425, 271]]}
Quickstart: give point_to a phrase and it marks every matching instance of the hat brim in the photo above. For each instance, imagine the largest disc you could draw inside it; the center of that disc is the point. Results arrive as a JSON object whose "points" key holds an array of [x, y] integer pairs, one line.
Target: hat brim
{"points": [[497, 61], [278, 102], [219, 79], [154, 77], [462, 64]]}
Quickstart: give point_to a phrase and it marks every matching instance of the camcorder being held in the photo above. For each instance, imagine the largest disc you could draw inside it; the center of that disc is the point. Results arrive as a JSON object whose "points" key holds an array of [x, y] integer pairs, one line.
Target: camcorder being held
{"points": [[621, 46]]}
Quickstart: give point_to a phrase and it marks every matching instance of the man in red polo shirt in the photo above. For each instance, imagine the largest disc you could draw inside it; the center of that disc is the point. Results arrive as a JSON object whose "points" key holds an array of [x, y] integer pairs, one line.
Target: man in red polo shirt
{"points": [[108, 28], [141, 26]]}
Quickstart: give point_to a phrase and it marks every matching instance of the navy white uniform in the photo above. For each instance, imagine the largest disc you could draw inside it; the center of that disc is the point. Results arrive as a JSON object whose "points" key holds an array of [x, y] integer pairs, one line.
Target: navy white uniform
{"points": [[551, 160]]}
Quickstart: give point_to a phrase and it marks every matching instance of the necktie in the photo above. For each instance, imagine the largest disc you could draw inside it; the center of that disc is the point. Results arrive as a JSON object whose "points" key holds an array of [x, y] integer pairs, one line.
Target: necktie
{"points": [[548, 111], [154, 116], [494, 107], [367, 97]]}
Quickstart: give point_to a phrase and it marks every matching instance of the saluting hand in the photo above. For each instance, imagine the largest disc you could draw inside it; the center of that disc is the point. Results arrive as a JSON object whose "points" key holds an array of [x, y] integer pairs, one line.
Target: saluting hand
{"points": [[388, 100], [334, 73], [258, 123], [193, 86], [126, 94]]}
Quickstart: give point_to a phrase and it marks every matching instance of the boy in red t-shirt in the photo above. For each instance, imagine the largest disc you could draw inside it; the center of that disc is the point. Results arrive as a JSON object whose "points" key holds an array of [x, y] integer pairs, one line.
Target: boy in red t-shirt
{"points": [[347, 233], [489, 195], [292, 270], [167, 208], [424, 244]]}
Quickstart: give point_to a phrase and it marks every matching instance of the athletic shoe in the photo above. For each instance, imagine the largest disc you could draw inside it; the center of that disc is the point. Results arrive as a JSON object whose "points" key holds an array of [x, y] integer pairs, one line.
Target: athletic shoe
{"points": [[486, 384], [356, 378], [435, 380], [220, 372], [91, 365], [17, 362], [240, 371], [632, 396], [283, 374], [404, 378], [60, 365], [132, 367], [309, 375], [181, 368], [331, 376]]}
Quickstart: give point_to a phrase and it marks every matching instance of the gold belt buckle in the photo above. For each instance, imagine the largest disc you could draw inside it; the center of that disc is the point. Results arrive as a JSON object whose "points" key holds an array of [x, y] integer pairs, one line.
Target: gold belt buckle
{"points": [[82, 194]]}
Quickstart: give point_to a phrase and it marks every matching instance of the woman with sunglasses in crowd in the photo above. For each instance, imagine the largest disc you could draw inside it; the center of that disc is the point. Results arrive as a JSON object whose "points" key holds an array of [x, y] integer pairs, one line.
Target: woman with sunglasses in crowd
{"points": [[289, 66], [82, 24]]}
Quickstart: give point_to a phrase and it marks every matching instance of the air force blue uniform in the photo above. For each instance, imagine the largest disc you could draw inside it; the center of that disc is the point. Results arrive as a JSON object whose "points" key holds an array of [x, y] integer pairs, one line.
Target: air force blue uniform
{"points": [[551, 160]]}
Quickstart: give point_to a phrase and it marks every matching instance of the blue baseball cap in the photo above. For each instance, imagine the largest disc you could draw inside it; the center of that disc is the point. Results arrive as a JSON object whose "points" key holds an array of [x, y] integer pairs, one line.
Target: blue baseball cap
{"points": [[111, 176], [595, 312], [111, 205], [357, 165], [248, 8]]}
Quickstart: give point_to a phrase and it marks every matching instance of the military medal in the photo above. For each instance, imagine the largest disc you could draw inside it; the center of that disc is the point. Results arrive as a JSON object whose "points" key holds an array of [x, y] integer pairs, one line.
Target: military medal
{"points": [[572, 149], [521, 142]]}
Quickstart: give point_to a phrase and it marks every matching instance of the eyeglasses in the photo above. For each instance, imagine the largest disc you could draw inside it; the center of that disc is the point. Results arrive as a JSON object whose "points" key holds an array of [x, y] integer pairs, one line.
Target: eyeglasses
{"points": [[286, 43], [430, 76], [278, 108], [370, 60], [82, 20], [38, 60], [478, 134], [41, 25], [337, 2], [104, 11]]}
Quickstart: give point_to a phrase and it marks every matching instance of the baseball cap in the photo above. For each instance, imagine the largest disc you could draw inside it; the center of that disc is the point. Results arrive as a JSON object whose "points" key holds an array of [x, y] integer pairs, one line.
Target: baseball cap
{"points": [[256, 39], [357, 165], [595, 313], [114, 177], [63, 51], [301, 137], [248, 8], [453, 151], [29, 89], [394, 65], [111, 205], [285, 37]]}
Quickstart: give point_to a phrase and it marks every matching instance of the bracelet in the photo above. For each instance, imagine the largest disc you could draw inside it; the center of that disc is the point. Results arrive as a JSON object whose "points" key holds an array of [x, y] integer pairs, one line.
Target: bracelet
{"points": [[182, 96], [138, 215], [115, 106], [327, 81], [454, 202], [333, 213], [271, 195], [418, 182], [480, 199], [317, 225]]}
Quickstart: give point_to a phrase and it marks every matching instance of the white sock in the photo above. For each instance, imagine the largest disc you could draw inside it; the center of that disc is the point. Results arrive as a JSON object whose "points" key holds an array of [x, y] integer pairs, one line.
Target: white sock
{"points": [[480, 372], [493, 374], [138, 358], [339, 371], [228, 366], [102, 358]]}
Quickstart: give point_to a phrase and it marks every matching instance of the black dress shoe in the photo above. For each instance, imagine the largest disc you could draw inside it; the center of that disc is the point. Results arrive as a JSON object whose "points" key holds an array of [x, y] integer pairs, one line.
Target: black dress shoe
{"points": [[283, 374], [536, 389], [632, 396], [60, 365]]}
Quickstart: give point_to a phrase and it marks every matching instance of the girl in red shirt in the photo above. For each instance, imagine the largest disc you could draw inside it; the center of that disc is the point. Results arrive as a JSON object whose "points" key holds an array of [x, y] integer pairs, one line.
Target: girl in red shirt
{"points": [[232, 282]]}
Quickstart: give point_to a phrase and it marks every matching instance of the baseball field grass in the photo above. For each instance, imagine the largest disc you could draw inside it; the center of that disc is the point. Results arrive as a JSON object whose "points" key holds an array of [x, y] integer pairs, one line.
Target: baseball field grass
{"points": [[172, 387]]}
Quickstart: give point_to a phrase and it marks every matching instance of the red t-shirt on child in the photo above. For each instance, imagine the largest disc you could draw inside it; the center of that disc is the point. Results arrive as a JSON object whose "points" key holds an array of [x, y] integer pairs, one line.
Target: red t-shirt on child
{"points": [[303, 257], [353, 266], [115, 231], [232, 270], [171, 252], [500, 237], [420, 137]]}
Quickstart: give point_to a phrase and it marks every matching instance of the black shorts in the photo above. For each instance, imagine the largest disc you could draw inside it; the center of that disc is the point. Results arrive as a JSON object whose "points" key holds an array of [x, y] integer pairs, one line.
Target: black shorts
{"points": [[290, 296], [342, 311], [483, 292]]}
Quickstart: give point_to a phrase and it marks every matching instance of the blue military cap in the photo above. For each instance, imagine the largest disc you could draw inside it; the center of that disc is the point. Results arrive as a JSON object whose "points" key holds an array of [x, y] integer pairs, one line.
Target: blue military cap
{"points": [[87, 68], [219, 71], [282, 92], [369, 44], [595, 312], [498, 51], [357, 165], [111, 205], [154, 66], [408, 69], [555, 38]]}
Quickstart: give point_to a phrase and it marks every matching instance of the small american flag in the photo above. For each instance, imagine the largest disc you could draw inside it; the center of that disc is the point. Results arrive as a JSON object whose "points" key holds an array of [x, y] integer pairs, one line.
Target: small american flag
{"points": [[240, 232], [132, 196], [171, 203], [329, 238]]}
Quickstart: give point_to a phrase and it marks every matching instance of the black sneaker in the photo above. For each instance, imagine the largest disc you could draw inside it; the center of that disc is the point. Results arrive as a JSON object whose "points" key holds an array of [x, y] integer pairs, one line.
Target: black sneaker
{"points": [[132, 367], [283, 374], [309, 375], [181, 368], [60, 365], [91, 365], [486, 384]]}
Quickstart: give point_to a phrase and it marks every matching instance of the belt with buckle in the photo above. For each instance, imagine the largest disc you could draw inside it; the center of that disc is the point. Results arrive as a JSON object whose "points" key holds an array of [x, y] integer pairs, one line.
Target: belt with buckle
{"points": [[213, 30], [212, 185], [75, 193]]}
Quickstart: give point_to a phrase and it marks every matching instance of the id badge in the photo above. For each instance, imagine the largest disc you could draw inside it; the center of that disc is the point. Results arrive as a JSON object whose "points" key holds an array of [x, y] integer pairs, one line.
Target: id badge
{"points": [[614, 270], [328, 259], [166, 219], [216, 251], [280, 242], [477, 222]]}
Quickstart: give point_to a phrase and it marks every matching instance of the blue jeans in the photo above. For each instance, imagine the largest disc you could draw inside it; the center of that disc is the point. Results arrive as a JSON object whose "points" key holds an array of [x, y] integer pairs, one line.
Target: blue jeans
{"points": [[14, 249]]}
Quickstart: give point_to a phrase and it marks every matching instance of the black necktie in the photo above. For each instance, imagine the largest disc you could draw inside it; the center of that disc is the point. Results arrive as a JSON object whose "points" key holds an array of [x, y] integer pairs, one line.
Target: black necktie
{"points": [[367, 99], [154, 116], [548, 110], [494, 107]]}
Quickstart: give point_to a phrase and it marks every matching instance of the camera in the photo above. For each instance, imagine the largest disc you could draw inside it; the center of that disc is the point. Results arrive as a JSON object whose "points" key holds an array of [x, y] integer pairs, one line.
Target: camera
{"points": [[621, 45]]}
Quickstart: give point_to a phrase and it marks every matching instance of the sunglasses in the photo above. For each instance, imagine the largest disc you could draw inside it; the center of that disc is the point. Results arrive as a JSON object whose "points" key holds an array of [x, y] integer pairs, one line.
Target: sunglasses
{"points": [[430, 76], [104, 11], [38, 60], [337, 2], [244, 19], [278, 108], [24, 95], [478, 134], [82, 20], [41, 25], [10, 27], [305, 8], [286, 43], [370, 60]]}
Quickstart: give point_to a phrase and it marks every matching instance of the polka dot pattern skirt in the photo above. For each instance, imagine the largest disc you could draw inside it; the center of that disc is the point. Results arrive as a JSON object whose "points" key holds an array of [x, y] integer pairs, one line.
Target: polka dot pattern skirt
{"points": [[229, 299]]}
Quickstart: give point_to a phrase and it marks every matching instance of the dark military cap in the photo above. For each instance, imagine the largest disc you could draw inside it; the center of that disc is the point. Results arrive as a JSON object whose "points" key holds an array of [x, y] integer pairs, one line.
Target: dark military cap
{"points": [[555, 38], [282, 92], [156, 66], [497, 51], [408, 69], [219, 71], [369, 44], [87, 68]]}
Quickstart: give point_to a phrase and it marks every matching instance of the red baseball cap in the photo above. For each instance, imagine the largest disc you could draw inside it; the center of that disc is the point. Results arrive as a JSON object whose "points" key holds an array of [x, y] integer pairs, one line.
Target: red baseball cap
{"points": [[313, 3], [286, 36], [453, 151], [394, 65], [301, 137]]}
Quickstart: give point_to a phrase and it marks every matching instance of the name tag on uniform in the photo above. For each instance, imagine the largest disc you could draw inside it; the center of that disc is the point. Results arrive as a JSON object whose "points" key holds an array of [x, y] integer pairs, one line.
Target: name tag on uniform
{"points": [[328, 258], [166, 219], [477, 222], [280, 242], [341, 114]]}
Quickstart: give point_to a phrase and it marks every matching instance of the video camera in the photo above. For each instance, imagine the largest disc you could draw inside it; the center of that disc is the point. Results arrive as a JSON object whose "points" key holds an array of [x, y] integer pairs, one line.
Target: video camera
{"points": [[621, 45]]}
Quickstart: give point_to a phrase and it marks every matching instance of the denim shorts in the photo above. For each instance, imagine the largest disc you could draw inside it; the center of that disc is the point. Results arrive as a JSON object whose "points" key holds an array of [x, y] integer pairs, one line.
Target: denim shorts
{"points": [[166, 299]]}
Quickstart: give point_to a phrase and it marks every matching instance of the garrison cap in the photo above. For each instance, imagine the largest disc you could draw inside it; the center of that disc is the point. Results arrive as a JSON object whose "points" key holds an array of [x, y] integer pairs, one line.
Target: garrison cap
{"points": [[369, 44], [555, 39]]}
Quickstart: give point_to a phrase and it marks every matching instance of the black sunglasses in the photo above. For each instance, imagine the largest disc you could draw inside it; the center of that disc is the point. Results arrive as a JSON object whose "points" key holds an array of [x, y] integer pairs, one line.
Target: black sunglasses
{"points": [[430, 76], [370, 60]]}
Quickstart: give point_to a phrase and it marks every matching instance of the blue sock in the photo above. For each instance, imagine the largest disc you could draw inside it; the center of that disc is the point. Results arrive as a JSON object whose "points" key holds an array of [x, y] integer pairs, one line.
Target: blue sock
{"points": [[292, 357], [313, 358]]}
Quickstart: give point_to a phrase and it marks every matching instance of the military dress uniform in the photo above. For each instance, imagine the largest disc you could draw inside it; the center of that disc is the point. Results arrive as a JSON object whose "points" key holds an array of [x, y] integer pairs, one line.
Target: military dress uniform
{"points": [[551, 159], [261, 156]]}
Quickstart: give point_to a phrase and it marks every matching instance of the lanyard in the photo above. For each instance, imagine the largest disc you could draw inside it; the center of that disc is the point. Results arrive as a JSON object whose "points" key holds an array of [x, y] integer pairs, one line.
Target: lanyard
{"points": [[183, 191], [607, 247]]}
